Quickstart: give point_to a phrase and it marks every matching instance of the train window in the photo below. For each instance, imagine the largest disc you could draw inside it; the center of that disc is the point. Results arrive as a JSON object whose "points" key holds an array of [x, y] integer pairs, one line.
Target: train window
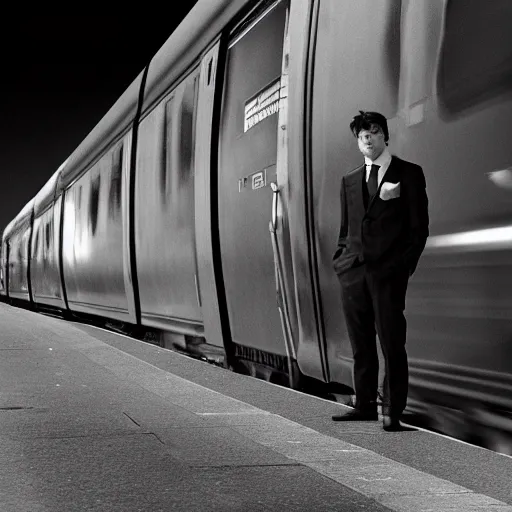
{"points": [[476, 53], [35, 249], [94, 203], [210, 65], [47, 236], [116, 183], [178, 135], [187, 132], [166, 153]]}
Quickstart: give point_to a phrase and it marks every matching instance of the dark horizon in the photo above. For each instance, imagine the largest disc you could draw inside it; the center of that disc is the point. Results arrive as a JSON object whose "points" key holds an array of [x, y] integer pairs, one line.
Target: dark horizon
{"points": [[61, 76]]}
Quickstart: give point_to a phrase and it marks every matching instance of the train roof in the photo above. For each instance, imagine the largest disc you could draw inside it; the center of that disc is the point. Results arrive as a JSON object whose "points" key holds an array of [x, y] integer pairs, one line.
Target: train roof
{"points": [[39, 202], [23, 216], [7, 231], [46, 194], [113, 123], [199, 28]]}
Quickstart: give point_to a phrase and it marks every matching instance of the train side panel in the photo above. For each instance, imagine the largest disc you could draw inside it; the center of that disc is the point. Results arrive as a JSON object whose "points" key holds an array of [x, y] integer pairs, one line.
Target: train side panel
{"points": [[93, 239], [45, 271], [4, 257], [45, 268], [165, 213], [19, 262], [2, 266]]}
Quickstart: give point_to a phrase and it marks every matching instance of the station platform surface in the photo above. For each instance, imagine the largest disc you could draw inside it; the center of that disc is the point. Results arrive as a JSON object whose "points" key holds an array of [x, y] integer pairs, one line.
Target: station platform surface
{"points": [[95, 421]]}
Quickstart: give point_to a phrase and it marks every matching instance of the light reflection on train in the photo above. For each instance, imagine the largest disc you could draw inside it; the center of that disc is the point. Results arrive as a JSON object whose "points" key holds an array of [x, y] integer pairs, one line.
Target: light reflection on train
{"points": [[160, 218]]}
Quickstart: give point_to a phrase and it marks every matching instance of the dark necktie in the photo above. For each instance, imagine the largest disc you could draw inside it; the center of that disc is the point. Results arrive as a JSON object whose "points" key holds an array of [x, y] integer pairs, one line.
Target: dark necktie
{"points": [[372, 181]]}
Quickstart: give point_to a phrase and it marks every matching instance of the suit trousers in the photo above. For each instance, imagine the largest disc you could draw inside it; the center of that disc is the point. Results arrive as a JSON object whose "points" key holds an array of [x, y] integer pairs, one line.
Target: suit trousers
{"points": [[374, 305]]}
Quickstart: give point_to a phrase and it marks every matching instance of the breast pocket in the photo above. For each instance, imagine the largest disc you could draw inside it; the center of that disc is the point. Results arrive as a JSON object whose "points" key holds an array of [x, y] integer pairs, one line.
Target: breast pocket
{"points": [[389, 191]]}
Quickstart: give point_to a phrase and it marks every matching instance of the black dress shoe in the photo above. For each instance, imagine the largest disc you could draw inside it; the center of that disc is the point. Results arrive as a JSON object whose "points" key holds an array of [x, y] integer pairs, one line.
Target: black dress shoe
{"points": [[356, 415], [392, 424]]}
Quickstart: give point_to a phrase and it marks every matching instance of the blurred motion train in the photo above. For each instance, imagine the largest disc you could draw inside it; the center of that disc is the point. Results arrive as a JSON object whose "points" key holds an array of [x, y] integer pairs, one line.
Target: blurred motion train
{"points": [[205, 204]]}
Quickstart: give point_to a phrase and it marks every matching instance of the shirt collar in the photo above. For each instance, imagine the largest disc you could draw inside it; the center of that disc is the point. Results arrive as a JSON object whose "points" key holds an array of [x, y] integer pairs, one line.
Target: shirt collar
{"points": [[383, 159]]}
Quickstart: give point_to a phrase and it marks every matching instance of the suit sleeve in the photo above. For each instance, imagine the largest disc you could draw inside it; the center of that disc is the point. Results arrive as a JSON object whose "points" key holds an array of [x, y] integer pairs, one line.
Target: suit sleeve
{"points": [[342, 236], [417, 205]]}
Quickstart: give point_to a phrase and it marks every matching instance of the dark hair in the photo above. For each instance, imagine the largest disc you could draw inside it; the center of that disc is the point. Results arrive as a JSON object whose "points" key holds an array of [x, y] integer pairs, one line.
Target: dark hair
{"points": [[364, 120]]}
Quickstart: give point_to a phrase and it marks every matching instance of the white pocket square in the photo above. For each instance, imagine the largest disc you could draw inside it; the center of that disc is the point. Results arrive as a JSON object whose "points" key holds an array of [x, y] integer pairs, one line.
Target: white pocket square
{"points": [[389, 191]]}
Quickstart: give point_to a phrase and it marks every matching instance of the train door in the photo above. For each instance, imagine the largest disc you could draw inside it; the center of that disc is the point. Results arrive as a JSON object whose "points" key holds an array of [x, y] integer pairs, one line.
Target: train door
{"points": [[247, 169], [351, 71]]}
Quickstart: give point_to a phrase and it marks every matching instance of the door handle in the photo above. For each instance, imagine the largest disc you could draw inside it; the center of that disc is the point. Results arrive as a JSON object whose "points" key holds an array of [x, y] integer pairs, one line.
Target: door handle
{"points": [[275, 193], [282, 299]]}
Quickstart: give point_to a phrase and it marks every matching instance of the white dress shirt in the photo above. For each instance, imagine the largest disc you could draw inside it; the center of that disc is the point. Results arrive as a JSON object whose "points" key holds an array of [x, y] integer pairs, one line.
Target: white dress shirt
{"points": [[383, 161]]}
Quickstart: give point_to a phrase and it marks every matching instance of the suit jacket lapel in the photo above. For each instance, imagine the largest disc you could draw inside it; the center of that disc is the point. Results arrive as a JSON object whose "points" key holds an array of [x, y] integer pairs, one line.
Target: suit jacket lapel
{"points": [[354, 181]]}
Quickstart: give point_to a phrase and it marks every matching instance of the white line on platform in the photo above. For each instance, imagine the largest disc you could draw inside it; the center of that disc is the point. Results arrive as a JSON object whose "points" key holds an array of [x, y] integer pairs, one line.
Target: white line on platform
{"points": [[259, 413]]}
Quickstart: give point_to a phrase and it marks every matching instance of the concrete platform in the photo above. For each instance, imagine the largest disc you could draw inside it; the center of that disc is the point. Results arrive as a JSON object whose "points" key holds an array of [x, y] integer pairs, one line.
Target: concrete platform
{"points": [[92, 420]]}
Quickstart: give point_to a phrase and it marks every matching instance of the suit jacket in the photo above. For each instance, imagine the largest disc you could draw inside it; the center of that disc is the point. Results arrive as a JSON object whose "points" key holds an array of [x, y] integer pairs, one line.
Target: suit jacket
{"points": [[387, 235]]}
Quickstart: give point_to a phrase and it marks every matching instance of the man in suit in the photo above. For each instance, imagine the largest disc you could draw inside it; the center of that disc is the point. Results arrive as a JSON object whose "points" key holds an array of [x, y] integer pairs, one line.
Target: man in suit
{"points": [[383, 231]]}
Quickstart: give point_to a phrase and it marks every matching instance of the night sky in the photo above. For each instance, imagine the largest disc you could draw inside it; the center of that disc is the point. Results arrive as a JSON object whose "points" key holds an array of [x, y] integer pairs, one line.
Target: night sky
{"points": [[60, 76]]}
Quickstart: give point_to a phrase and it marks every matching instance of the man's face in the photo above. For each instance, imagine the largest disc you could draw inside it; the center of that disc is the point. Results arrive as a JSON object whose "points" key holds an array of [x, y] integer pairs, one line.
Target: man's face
{"points": [[371, 142]]}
